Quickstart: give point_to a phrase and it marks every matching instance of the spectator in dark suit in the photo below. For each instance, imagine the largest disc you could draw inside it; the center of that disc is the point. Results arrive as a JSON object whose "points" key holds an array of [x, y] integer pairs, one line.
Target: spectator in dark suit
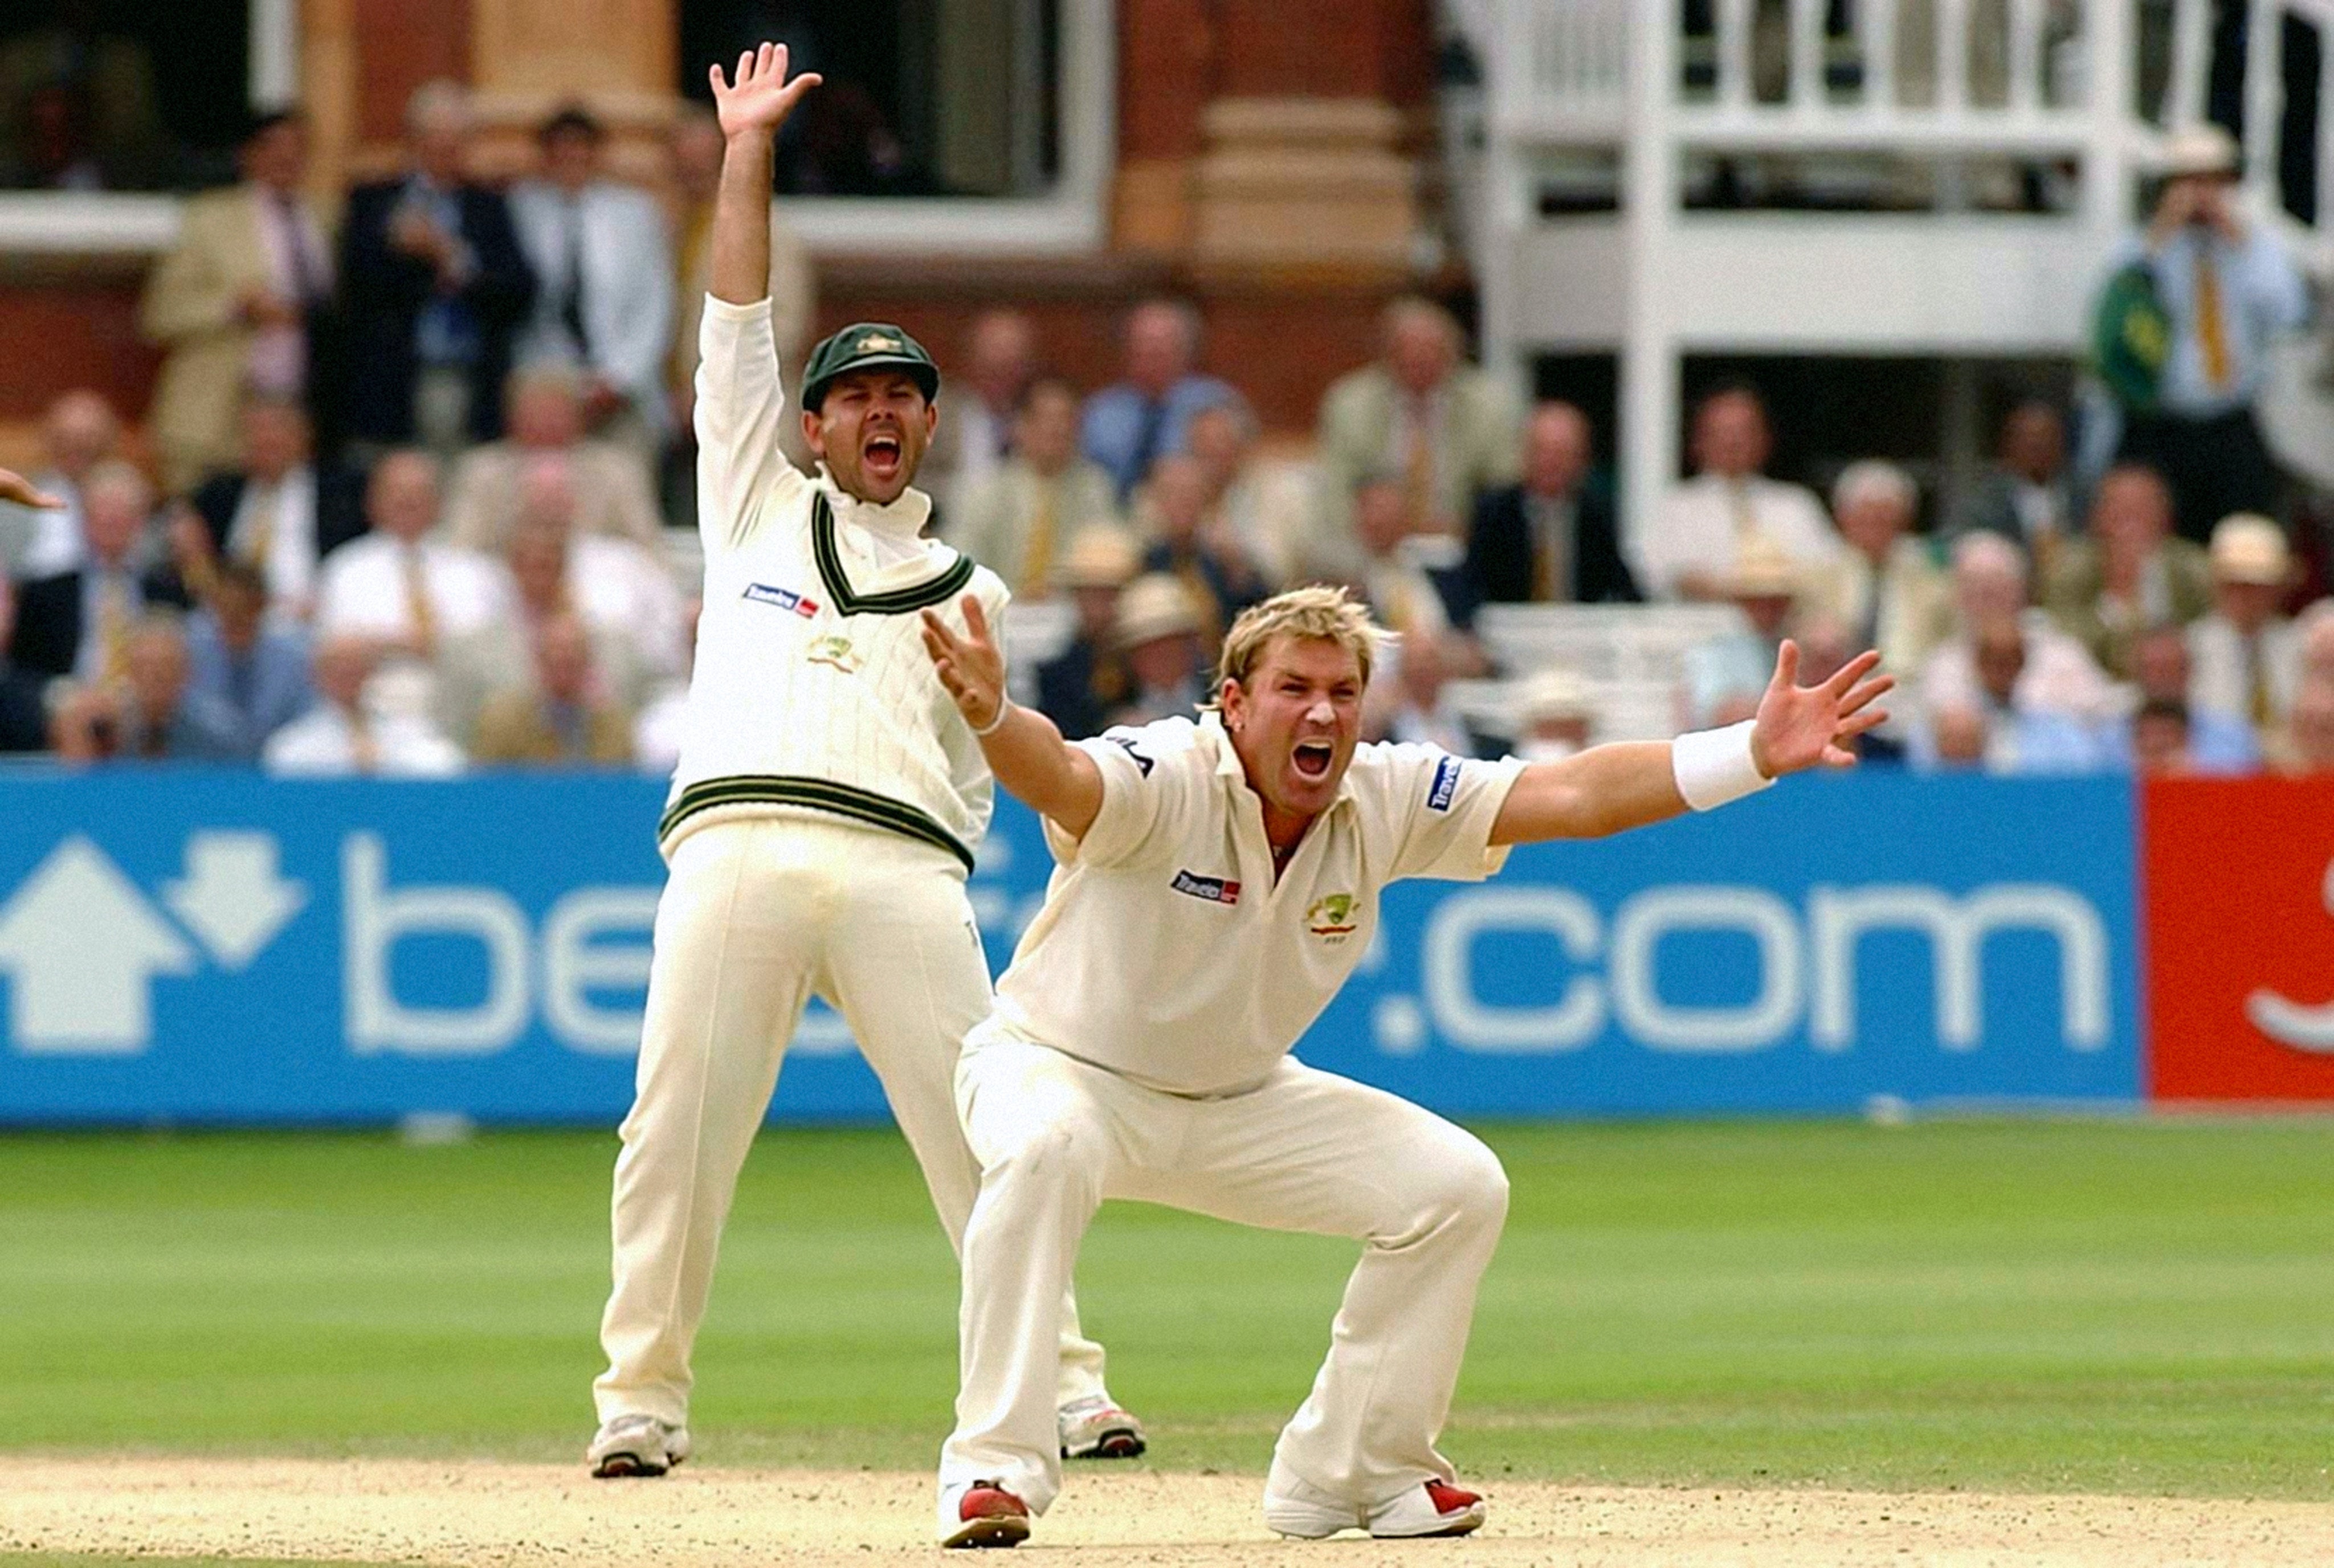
{"points": [[79, 432], [1549, 540], [77, 623], [153, 714], [24, 717], [435, 289], [281, 512], [239, 665], [2026, 496]]}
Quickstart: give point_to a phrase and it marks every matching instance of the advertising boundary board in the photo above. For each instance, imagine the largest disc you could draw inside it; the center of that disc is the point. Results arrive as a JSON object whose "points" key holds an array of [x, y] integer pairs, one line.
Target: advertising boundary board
{"points": [[212, 946], [2238, 945]]}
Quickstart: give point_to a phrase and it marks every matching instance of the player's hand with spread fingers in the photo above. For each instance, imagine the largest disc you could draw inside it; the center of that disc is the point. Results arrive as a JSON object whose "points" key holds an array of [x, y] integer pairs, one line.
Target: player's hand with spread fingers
{"points": [[1026, 753], [1804, 727], [758, 97], [969, 666], [15, 487]]}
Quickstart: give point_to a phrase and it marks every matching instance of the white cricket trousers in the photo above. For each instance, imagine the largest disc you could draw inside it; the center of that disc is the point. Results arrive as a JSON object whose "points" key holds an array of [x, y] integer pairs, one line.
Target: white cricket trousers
{"points": [[758, 915], [1307, 1152]]}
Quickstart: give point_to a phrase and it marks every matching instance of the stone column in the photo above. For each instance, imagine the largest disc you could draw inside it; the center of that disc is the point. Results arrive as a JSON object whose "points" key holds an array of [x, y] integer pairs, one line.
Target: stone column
{"points": [[1305, 161], [618, 57], [328, 91]]}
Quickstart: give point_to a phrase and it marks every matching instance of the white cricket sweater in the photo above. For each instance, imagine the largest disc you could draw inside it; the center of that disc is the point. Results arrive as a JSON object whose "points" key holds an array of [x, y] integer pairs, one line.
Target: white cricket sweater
{"points": [[811, 692]]}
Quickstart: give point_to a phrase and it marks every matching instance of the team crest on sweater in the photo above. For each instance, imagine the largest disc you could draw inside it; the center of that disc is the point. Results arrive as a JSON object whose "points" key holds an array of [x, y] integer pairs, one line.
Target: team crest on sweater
{"points": [[835, 652], [1331, 918]]}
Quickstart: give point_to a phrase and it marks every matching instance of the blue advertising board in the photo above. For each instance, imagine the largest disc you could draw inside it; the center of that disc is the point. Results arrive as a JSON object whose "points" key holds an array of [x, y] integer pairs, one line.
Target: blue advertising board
{"points": [[214, 947]]}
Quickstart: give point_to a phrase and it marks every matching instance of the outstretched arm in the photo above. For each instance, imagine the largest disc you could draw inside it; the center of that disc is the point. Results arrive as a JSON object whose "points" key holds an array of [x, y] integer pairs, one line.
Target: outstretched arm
{"points": [[15, 487], [751, 107], [1608, 789], [1025, 751]]}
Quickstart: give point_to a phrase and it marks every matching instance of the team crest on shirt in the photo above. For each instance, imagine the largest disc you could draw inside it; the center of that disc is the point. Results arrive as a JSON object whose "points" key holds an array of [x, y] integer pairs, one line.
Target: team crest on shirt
{"points": [[784, 598], [1215, 889], [1331, 918], [835, 652]]}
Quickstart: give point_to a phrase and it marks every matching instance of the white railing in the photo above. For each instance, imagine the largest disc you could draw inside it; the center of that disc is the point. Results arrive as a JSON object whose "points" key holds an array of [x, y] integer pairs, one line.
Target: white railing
{"points": [[1615, 90]]}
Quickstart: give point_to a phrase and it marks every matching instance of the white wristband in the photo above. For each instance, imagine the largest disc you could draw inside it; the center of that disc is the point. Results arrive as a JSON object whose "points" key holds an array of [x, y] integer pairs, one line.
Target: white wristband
{"points": [[1714, 766], [1004, 706]]}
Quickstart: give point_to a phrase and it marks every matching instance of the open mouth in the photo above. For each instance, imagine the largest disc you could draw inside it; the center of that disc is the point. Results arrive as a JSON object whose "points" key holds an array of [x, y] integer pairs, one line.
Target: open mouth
{"points": [[880, 455], [1313, 758]]}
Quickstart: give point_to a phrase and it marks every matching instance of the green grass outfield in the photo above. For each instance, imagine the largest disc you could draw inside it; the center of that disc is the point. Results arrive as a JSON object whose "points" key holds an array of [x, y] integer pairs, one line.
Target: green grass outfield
{"points": [[2096, 1306]]}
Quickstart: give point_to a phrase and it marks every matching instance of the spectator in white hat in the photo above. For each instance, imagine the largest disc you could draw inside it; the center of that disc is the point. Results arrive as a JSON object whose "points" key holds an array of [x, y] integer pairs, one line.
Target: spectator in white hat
{"points": [[2247, 655], [1555, 716], [1081, 686], [1725, 676], [1158, 633]]}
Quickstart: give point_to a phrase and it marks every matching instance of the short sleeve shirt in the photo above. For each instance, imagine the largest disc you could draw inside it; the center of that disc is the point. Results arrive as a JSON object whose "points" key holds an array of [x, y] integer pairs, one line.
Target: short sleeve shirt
{"points": [[1167, 952]]}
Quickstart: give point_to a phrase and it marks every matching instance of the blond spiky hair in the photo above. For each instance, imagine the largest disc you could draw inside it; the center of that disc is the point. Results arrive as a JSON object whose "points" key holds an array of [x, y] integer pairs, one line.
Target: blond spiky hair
{"points": [[1314, 610]]}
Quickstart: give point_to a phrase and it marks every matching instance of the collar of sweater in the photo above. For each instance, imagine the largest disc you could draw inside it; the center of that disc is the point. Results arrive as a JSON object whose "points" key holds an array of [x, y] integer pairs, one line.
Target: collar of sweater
{"points": [[898, 522]]}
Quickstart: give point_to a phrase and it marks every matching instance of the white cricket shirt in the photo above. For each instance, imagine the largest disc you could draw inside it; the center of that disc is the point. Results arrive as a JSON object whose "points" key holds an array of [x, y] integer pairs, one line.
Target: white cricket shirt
{"points": [[1167, 952], [812, 691]]}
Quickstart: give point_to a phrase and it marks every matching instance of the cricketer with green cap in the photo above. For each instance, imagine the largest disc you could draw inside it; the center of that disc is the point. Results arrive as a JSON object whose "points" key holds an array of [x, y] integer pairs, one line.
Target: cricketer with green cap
{"points": [[866, 346], [823, 816]]}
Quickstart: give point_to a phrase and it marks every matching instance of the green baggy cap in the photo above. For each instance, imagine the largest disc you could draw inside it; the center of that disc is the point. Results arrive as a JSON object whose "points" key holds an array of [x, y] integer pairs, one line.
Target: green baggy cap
{"points": [[867, 346]]}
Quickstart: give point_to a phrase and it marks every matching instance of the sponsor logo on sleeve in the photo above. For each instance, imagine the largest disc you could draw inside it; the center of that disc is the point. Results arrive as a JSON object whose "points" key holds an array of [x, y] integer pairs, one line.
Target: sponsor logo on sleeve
{"points": [[1445, 788], [1127, 745], [784, 598], [1215, 889]]}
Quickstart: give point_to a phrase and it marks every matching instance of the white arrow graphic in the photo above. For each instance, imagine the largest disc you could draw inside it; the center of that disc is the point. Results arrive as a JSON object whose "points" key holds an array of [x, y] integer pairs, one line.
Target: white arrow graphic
{"points": [[2296, 1024], [231, 896], [82, 946]]}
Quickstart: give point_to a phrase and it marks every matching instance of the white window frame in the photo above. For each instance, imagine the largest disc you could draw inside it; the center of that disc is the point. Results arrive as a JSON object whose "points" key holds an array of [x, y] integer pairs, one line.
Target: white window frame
{"points": [[1071, 220]]}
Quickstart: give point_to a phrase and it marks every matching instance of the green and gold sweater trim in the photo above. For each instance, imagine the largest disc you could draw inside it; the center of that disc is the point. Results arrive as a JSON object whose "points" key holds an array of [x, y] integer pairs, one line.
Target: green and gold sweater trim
{"points": [[816, 795], [899, 601]]}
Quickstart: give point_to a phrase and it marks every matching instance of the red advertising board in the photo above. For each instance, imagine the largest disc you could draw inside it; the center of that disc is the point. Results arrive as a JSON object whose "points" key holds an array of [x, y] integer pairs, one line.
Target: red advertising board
{"points": [[2237, 897]]}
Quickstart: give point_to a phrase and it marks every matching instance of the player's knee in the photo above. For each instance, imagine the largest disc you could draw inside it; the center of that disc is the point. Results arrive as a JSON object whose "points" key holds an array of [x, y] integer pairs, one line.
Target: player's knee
{"points": [[1478, 1185], [1467, 1188], [1044, 1151], [1461, 1189]]}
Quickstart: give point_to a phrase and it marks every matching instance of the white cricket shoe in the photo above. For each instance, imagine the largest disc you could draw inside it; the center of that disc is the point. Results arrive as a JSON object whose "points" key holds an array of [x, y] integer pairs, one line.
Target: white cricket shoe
{"points": [[1096, 1429], [636, 1446], [1430, 1508]]}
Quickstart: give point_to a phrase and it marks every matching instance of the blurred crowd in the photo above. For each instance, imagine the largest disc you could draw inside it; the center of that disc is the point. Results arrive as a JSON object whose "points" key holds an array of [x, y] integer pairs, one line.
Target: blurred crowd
{"points": [[413, 463]]}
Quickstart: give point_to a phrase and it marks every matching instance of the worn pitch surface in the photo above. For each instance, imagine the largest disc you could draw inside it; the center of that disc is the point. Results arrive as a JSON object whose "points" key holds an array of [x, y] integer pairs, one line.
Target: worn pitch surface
{"points": [[419, 1511]]}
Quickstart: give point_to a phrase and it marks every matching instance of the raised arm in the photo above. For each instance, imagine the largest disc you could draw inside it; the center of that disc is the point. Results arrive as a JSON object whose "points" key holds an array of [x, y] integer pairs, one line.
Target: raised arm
{"points": [[751, 107], [1025, 751], [740, 400], [1608, 789]]}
